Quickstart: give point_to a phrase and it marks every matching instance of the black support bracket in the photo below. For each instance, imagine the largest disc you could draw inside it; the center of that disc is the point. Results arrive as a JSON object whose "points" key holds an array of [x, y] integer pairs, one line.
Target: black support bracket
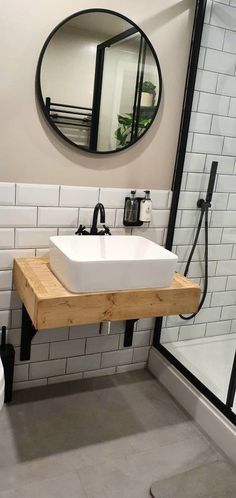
{"points": [[232, 386], [129, 332], [28, 331]]}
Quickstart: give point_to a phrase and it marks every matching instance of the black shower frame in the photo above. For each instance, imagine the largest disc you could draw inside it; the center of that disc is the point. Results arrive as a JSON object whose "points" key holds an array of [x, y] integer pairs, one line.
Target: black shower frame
{"points": [[176, 187]]}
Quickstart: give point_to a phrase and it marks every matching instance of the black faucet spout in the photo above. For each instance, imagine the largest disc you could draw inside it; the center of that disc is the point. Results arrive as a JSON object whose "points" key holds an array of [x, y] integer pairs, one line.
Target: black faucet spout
{"points": [[99, 208]]}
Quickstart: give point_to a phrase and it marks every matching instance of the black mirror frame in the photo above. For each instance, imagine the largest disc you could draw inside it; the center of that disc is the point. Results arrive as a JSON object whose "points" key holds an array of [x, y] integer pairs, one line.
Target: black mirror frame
{"points": [[39, 90]]}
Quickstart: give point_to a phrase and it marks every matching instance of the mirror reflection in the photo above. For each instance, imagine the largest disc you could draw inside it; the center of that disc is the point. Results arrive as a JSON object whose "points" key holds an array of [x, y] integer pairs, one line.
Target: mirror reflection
{"points": [[99, 81]]}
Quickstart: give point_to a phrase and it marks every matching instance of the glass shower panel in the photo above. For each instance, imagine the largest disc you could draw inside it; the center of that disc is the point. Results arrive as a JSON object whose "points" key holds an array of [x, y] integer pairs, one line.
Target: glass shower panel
{"points": [[118, 92]]}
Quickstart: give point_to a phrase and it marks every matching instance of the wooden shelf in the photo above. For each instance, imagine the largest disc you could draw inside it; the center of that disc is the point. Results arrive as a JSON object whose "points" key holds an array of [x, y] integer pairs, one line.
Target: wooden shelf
{"points": [[50, 305]]}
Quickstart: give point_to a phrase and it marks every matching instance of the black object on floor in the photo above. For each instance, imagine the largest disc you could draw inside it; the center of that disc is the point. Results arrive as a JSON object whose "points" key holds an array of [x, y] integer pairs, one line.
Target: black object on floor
{"points": [[7, 354], [214, 480]]}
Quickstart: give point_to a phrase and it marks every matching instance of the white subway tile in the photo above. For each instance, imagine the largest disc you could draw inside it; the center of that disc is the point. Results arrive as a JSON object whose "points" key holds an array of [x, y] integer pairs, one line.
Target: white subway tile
{"points": [[197, 268], [208, 11], [18, 216], [202, 55], [160, 199], [226, 268], [226, 183], [208, 315], [39, 353], [192, 332], [226, 85], [194, 162], [224, 126], [140, 339], [154, 234], [215, 252], [102, 343], [213, 104], [40, 253], [189, 142], [5, 318], [176, 321], [160, 218], [218, 328], [219, 200], [118, 327], [21, 372], [223, 16], [190, 218], [6, 238], [225, 164], [188, 200], [37, 195], [195, 101], [5, 280], [63, 349], [228, 313], [229, 235], [132, 367], [51, 335], [44, 369], [9, 300], [113, 197], [233, 327], [141, 354], [99, 373], [231, 283], [216, 59], [200, 123], [16, 319], [145, 323], [215, 283], [185, 236], [34, 237], [230, 41], [208, 144], [7, 193], [121, 231], [229, 146], [225, 298], [7, 256], [54, 217], [84, 363], [223, 219], [86, 217], [232, 202], [169, 335], [206, 81], [212, 37], [79, 196], [80, 331], [66, 231], [232, 107], [114, 358], [14, 336]]}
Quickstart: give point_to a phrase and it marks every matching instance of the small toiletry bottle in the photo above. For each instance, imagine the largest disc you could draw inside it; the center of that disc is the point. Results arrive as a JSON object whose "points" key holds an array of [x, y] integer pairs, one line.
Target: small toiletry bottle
{"points": [[131, 208], [146, 208]]}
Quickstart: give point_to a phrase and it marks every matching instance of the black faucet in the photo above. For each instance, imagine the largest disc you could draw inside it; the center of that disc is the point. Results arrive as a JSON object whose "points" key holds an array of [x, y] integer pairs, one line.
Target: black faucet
{"points": [[99, 208]]}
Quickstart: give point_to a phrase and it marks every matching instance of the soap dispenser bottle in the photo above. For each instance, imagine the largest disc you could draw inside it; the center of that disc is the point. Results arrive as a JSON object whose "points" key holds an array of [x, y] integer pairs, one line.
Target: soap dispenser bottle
{"points": [[131, 209], [146, 208]]}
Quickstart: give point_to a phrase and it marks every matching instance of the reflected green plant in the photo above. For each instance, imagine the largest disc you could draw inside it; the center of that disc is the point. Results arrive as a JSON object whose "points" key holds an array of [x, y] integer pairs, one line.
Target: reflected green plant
{"points": [[123, 133]]}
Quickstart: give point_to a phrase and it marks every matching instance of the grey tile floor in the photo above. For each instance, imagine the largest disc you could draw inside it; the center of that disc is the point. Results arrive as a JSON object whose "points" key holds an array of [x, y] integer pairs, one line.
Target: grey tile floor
{"points": [[107, 437]]}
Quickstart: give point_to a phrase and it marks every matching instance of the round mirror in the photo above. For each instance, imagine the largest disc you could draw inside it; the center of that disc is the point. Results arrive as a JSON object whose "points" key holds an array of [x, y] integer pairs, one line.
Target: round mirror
{"points": [[99, 81]]}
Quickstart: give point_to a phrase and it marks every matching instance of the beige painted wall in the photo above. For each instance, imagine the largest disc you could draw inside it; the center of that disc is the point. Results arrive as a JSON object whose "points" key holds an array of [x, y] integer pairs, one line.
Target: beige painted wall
{"points": [[30, 152]]}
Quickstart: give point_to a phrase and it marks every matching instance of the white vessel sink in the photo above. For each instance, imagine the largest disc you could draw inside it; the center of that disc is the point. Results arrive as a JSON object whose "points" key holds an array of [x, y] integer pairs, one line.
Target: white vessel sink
{"points": [[104, 263]]}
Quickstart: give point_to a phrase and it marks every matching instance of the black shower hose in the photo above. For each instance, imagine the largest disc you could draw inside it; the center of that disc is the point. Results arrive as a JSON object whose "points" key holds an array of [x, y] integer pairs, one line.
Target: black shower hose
{"points": [[204, 212]]}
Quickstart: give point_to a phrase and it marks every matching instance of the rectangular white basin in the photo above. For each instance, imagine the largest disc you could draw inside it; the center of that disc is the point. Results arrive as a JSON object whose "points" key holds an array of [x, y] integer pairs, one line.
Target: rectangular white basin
{"points": [[104, 263]]}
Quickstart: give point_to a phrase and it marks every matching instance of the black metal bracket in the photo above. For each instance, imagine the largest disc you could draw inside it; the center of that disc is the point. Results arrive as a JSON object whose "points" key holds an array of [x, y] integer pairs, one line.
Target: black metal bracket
{"points": [[129, 332], [28, 331], [232, 386]]}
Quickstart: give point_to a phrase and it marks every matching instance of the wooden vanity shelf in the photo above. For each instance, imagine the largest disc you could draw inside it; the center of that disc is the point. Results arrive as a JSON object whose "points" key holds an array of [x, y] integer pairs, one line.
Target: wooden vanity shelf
{"points": [[47, 304]]}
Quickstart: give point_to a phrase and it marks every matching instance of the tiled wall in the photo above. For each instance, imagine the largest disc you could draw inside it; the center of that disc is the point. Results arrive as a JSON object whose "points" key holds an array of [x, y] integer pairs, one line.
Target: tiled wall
{"points": [[212, 137], [29, 215]]}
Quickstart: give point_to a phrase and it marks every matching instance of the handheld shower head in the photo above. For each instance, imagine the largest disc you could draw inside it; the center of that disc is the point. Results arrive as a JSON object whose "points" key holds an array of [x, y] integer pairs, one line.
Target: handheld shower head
{"points": [[211, 183]]}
